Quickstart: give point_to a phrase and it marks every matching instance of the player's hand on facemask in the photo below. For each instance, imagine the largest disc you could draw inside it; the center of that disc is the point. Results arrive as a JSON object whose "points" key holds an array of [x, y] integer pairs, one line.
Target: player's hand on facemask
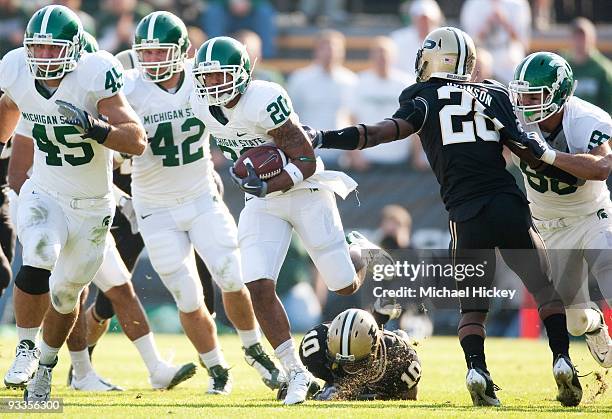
{"points": [[90, 127], [251, 184]]}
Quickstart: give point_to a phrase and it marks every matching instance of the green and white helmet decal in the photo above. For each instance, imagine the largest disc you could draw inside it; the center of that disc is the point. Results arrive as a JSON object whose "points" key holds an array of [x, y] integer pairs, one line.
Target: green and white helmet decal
{"points": [[161, 43], [89, 42], [543, 82], [228, 57], [53, 42]]}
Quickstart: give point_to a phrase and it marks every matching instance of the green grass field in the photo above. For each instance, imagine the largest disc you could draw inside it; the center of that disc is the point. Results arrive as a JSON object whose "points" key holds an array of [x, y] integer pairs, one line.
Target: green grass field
{"points": [[520, 367]]}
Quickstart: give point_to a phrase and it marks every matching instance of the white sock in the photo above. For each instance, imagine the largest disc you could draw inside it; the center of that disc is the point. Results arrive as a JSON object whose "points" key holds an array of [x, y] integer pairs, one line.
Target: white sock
{"points": [[593, 320], [81, 363], [249, 337], [214, 357], [148, 351], [28, 333], [287, 355], [48, 353]]}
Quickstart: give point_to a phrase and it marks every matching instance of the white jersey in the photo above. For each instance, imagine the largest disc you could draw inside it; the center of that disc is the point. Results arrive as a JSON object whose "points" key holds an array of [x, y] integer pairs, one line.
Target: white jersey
{"points": [[177, 164], [264, 106], [64, 162], [585, 126]]}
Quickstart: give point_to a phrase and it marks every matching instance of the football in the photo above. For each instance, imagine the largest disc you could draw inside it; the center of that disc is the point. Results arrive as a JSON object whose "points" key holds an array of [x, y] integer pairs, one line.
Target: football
{"points": [[267, 160]]}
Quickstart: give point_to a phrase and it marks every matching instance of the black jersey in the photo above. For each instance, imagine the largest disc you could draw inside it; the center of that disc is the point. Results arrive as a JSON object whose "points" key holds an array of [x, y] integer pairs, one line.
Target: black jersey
{"points": [[400, 371], [461, 135]]}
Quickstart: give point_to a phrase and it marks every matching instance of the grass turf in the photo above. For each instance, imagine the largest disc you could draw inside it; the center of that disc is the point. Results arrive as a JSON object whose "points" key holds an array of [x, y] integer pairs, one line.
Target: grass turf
{"points": [[522, 368]]}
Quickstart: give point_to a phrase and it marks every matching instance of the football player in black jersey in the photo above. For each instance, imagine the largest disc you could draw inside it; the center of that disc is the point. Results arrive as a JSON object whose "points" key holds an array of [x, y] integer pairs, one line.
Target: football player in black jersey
{"points": [[359, 361], [462, 126]]}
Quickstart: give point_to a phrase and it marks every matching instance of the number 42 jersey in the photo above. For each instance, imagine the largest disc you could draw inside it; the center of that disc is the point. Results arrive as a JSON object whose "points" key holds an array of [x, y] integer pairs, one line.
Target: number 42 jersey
{"points": [[64, 162], [176, 167]]}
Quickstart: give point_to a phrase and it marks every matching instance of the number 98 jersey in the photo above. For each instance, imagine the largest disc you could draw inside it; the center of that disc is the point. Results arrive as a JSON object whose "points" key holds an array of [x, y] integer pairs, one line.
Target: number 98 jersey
{"points": [[64, 162], [177, 165]]}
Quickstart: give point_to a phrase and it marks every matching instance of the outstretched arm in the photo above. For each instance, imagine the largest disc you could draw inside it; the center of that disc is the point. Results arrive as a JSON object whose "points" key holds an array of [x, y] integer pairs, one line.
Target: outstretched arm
{"points": [[9, 117]]}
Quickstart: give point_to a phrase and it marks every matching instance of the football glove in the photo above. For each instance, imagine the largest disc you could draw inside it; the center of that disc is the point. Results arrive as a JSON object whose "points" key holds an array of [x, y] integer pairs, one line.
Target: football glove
{"points": [[326, 393], [90, 127], [388, 306], [537, 145], [316, 137], [126, 206], [251, 184]]}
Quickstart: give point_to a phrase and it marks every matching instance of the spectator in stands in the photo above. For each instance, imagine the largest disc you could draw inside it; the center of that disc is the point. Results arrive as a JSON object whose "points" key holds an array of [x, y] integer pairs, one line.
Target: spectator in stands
{"points": [[374, 100], [396, 227], [484, 66], [502, 27], [334, 10], [591, 68], [117, 23], [226, 16], [252, 42], [197, 37], [12, 25], [424, 16], [88, 22], [321, 92]]}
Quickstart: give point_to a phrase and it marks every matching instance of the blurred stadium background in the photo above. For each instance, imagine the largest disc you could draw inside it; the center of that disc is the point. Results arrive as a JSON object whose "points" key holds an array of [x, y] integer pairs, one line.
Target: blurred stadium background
{"points": [[345, 61]]}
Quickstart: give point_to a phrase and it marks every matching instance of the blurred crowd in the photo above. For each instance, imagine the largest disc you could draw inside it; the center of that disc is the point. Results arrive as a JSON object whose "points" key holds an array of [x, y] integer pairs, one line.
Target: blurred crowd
{"points": [[326, 94]]}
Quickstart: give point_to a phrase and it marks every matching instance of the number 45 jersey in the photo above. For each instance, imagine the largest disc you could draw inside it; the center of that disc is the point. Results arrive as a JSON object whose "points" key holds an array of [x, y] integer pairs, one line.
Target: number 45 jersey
{"points": [[584, 127], [461, 135], [176, 167], [64, 162]]}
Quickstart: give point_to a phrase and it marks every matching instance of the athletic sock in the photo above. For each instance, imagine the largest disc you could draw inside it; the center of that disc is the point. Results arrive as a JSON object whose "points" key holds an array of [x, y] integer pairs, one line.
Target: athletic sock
{"points": [[81, 364], [558, 338], [286, 354], [28, 333], [212, 358], [593, 320], [47, 353], [249, 337], [148, 351], [473, 348]]}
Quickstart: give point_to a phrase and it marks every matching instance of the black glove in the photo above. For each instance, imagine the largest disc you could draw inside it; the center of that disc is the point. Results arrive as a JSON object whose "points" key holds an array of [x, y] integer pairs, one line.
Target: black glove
{"points": [[251, 184], [537, 145], [316, 137], [90, 127]]}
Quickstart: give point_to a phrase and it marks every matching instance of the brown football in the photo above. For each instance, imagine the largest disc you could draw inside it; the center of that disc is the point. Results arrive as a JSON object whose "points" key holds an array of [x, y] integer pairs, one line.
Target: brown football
{"points": [[267, 160]]}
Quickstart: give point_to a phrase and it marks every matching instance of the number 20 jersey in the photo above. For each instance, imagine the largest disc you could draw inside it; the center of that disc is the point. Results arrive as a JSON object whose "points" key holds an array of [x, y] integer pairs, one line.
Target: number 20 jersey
{"points": [[64, 162], [584, 127], [461, 136], [176, 166]]}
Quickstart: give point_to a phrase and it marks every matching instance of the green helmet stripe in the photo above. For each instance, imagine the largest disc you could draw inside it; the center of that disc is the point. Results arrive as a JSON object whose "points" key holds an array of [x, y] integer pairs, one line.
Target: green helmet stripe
{"points": [[526, 65], [210, 49], [45, 21], [151, 28]]}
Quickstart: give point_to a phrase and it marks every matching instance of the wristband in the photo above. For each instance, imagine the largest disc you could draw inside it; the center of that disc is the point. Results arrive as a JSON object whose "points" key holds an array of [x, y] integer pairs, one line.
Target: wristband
{"points": [[294, 173], [549, 156], [99, 130]]}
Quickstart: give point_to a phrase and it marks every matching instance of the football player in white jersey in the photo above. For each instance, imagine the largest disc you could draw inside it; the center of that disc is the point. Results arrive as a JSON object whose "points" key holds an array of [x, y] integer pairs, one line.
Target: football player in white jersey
{"points": [[177, 203], [242, 114], [65, 208], [113, 279], [579, 217]]}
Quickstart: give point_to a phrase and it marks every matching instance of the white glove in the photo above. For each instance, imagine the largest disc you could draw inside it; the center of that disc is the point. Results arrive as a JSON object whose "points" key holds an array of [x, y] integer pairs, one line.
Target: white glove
{"points": [[127, 209]]}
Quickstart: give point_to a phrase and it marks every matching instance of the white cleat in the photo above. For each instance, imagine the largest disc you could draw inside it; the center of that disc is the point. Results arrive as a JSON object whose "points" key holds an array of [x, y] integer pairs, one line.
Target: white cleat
{"points": [[566, 376], [167, 376], [600, 344], [256, 357], [39, 387], [92, 382], [220, 381], [301, 385], [24, 366], [481, 388], [371, 254]]}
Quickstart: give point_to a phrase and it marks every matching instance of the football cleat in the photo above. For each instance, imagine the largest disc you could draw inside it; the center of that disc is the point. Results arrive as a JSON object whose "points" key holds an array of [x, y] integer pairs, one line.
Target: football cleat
{"points": [[301, 385], [167, 376], [24, 366], [566, 376], [600, 344], [481, 387], [39, 387], [256, 357], [371, 254], [220, 381], [93, 382]]}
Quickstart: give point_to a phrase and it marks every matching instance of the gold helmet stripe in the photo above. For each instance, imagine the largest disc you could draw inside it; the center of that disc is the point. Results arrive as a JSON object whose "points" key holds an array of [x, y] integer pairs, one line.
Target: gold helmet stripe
{"points": [[347, 325]]}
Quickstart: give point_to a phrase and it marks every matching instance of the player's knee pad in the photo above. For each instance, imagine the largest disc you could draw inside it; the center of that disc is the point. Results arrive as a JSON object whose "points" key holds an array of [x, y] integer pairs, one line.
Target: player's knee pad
{"points": [[577, 321], [65, 295], [103, 307], [31, 280], [186, 290], [335, 265], [41, 248]]}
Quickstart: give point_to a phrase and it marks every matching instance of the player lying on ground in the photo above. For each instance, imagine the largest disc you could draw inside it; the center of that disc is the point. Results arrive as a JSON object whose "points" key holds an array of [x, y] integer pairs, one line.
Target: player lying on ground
{"points": [[461, 126]]}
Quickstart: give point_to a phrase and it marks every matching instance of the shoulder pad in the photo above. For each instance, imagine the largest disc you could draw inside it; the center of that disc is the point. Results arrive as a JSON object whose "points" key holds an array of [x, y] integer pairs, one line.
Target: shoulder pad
{"points": [[131, 79], [268, 104], [10, 67], [411, 91], [489, 83], [101, 74]]}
